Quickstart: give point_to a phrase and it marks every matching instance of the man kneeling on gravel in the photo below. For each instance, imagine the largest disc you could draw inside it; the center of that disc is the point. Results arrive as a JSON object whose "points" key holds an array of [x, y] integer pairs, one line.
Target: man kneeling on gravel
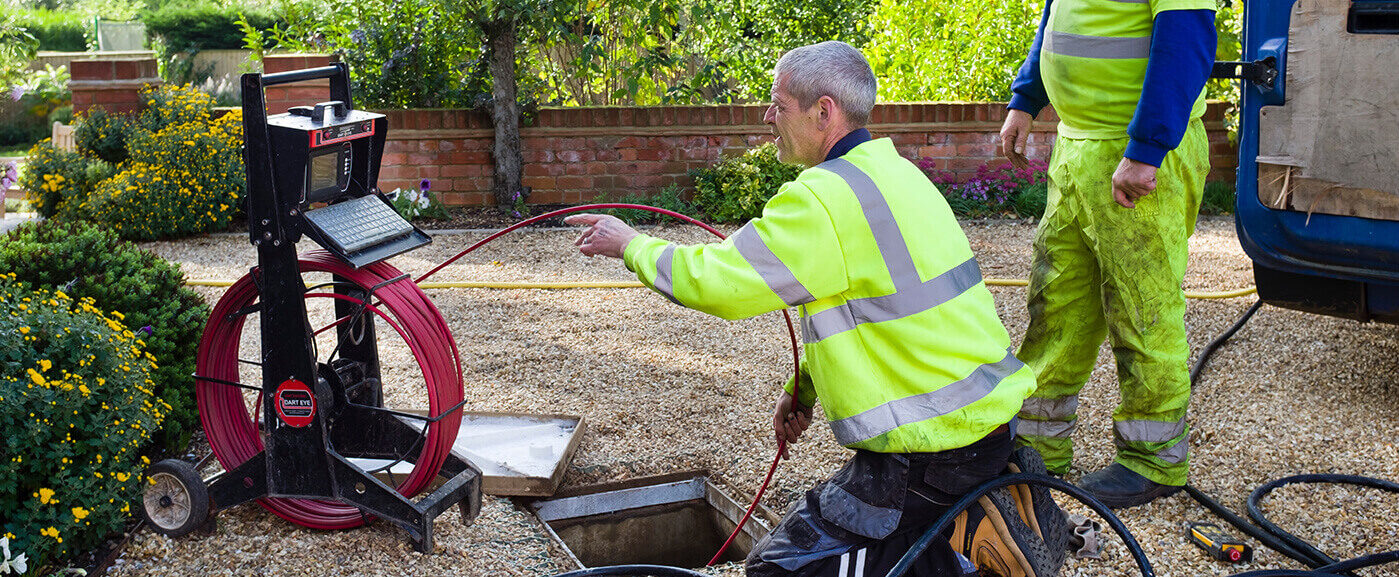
{"points": [[902, 343]]}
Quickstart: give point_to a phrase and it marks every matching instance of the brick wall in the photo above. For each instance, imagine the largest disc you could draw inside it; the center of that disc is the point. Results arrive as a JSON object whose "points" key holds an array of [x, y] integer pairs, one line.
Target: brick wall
{"points": [[575, 155], [113, 84]]}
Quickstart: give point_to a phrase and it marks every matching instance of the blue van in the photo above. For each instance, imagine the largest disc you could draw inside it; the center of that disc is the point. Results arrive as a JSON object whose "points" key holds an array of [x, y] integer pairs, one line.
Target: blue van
{"points": [[1318, 176]]}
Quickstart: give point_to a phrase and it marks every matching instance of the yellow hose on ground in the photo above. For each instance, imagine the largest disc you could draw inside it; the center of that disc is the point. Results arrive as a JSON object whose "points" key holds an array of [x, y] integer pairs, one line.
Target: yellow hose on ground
{"points": [[634, 284]]}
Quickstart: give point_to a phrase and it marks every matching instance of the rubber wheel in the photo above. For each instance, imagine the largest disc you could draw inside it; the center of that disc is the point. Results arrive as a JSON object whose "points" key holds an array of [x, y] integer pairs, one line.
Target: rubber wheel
{"points": [[176, 500]]}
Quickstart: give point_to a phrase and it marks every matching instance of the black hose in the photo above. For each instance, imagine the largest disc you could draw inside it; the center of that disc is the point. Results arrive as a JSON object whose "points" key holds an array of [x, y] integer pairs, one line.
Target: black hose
{"points": [[1242, 524], [634, 571], [966, 501], [1256, 513], [1219, 340]]}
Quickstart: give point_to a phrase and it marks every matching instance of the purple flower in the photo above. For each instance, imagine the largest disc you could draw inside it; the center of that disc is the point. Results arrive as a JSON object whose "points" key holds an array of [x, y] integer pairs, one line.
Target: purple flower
{"points": [[148, 330], [425, 185], [10, 176], [17, 92]]}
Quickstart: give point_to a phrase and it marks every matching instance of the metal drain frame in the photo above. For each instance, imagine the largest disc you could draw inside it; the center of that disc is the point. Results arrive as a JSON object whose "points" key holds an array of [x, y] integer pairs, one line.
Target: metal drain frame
{"points": [[645, 492]]}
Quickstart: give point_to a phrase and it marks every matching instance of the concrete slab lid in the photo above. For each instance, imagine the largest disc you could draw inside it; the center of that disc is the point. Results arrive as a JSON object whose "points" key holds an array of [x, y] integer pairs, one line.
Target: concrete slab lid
{"points": [[518, 454]]}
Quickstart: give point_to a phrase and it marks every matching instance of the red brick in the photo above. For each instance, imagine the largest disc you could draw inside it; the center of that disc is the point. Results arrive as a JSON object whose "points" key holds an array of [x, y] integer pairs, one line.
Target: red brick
{"points": [[91, 70], [538, 181], [566, 182], [546, 197], [453, 198]]}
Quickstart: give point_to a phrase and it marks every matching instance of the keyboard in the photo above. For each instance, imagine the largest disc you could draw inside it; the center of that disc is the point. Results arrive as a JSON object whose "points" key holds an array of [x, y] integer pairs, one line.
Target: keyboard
{"points": [[359, 223]]}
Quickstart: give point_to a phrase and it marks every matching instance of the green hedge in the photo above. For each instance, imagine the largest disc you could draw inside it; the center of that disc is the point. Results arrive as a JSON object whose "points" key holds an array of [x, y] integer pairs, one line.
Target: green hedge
{"points": [[76, 407], [140, 287], [62, 31], [203, 26]]}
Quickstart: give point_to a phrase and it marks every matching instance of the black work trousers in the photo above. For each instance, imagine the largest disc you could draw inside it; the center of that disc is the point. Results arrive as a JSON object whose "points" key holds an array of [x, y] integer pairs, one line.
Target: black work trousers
{"points": [[862, 520]]}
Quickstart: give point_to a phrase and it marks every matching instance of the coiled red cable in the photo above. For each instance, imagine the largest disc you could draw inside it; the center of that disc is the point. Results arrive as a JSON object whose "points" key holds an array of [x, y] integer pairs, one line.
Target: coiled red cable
{"points": [[232, 433]]}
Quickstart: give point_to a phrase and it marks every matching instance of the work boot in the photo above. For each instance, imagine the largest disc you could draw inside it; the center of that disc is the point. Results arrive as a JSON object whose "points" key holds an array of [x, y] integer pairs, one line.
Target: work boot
{"points": [[1036, 507], [1119, 487], [992, 535]]}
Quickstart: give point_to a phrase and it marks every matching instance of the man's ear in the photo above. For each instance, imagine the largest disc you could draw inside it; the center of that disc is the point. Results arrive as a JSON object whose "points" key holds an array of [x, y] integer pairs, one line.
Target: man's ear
{"points": [[827, 111]]}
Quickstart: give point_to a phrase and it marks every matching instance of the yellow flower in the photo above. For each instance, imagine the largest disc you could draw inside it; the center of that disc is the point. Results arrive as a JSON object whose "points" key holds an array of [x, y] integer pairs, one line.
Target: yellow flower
{"points": [[45, 495], [45, 365], [49, 532], [122, 477], [79, 513]]}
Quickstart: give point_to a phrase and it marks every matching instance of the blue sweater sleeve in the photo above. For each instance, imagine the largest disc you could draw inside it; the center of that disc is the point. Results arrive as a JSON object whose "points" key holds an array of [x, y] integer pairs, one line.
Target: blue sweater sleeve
{"points": [[1182, 54], [1027, 91]]}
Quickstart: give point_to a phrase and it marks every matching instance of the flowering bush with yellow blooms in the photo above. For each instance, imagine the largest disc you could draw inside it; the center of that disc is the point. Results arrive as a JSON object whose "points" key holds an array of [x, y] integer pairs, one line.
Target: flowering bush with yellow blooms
{"points": [[185, 179], [180, 168], [57, 182], [84, 260], [76, 406]]}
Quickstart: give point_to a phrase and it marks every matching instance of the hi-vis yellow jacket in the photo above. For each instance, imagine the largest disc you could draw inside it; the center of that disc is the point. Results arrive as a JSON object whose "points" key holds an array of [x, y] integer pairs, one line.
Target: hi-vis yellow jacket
{"points": [[902, 342]]}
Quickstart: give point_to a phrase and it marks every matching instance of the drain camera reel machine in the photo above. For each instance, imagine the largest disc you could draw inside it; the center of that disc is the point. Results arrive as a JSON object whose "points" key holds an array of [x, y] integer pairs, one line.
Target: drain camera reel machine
{"points": [[289, 380]]}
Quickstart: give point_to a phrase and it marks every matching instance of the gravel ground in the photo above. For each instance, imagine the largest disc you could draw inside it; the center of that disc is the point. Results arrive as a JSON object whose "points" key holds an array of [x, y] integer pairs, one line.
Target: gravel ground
{"points": [[667, 389]]}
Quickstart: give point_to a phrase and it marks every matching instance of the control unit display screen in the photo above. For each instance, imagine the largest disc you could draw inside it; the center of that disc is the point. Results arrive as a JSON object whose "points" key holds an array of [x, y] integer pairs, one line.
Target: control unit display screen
{"points": [[328, 173], [324, 171]]}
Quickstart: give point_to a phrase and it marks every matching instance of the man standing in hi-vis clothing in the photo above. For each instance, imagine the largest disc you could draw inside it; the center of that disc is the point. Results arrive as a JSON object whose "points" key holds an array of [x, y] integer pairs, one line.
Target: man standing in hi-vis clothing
{"points": [[1127, 79]]}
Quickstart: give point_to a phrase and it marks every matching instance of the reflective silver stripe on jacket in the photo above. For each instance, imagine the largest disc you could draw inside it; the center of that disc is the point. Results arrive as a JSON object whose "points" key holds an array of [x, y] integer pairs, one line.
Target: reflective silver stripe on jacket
{"points": [[912, 409], [881, 220], [777, 276], [1055, 429], [907, 302], [1061, 409], [1066, 44], [664, 283]]}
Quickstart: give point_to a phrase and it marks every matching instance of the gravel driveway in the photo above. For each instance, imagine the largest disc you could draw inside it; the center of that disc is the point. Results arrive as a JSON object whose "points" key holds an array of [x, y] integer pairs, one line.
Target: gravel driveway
{"points": [[665, 389]]}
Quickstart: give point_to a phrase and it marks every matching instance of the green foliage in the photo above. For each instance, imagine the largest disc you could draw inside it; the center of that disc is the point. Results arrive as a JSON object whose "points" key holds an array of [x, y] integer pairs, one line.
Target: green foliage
{"points": [[185, 179], [57, 183], [88, 262], [181, 170], [183, 27], [671, 198], [17, 48], [735, 189], [1219, 197], [417, 203], [103, 135], [949, 49], [59, 30], [681, 51], [402, 54], [76, 406], [1032, 200]]}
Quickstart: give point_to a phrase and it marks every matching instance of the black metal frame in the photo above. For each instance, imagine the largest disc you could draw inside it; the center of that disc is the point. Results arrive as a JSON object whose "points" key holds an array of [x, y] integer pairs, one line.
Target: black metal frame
{"points": [[350, 420]]}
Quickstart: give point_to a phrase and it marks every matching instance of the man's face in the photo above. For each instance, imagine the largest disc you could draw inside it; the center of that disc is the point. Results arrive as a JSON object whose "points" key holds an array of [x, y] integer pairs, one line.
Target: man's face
{"points": [[799, 138]]}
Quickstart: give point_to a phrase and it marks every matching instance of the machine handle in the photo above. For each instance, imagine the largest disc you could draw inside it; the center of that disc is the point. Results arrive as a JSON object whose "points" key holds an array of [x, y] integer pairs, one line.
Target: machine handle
{"points": [[291, 76]]}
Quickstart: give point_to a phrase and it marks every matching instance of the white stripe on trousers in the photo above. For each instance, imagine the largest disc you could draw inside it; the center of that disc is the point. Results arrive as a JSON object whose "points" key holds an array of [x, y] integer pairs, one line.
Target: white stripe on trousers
{"points": [[859, 563]]}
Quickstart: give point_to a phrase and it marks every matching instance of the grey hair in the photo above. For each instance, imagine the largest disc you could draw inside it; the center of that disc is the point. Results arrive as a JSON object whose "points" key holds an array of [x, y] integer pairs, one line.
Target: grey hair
{"points": [[830, 68]]}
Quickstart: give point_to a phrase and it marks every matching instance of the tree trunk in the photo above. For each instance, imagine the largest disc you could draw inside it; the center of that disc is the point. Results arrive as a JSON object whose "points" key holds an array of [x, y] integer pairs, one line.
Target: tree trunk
{"points": [[505, 114]]}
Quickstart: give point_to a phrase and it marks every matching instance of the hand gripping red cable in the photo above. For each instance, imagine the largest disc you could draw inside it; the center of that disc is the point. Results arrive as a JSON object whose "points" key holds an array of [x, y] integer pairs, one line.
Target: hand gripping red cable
{"points": [[233, 433]]}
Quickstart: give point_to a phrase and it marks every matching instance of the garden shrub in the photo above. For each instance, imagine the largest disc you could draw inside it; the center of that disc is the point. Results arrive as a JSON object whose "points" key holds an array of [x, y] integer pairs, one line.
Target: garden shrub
{"points": [[58, 30], [88, 262], [994, 190], [670, 198], [197, 26], [103, 135], [735, 189], [418, 203], [185, 179], [76, 406], [1218, 197], [57, 183]]}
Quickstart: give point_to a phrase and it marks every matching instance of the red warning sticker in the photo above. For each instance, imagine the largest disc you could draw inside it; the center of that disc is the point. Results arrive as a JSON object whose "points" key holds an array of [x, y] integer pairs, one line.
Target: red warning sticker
{"points": [[295, 404]]}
